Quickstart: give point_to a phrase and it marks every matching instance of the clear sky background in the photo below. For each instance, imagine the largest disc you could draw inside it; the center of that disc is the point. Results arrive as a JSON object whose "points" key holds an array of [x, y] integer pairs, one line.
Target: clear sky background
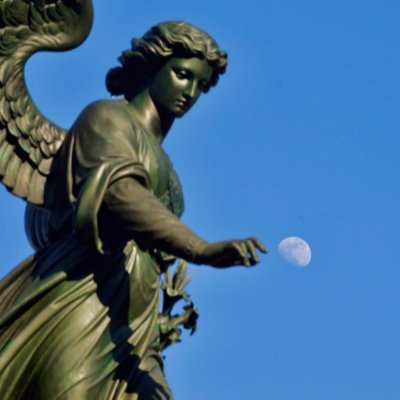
{"points": [[300, 138]]}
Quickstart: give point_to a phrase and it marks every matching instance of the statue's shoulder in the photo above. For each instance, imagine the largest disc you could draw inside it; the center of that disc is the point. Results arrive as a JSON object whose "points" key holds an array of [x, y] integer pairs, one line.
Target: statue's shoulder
{"points": [[106, 114], [105, 125]]}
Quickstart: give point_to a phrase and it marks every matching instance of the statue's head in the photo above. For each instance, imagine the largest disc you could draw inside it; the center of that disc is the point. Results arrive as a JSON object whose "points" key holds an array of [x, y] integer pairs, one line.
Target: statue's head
{"points": [[162, 42]]}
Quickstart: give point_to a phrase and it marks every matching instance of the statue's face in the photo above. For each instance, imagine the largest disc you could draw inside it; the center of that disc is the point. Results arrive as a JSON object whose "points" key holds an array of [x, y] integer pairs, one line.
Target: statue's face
{"points": [[178, 84]]}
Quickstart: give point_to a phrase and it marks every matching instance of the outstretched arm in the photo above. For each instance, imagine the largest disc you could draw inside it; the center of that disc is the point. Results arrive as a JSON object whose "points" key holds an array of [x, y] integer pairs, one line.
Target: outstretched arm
{"points": [[135, 211], [150, 223]]}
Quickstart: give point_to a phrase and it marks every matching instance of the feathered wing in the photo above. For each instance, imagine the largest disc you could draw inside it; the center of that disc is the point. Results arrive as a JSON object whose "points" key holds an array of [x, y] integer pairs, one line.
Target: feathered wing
{"points": [[28, 141]]}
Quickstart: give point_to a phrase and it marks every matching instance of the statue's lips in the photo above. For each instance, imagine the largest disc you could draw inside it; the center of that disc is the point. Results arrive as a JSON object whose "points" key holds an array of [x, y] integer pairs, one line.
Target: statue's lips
{"points": [[182, 104]]}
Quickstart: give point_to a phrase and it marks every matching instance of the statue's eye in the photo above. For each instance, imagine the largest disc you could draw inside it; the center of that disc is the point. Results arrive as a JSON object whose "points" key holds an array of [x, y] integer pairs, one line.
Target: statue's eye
{"points": [[181, 73]]}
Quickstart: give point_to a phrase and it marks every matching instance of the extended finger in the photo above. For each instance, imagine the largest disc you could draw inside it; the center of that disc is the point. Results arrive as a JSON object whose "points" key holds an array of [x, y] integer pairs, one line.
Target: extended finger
{"points": [[242, 253], [251, 248], [259, 245]]}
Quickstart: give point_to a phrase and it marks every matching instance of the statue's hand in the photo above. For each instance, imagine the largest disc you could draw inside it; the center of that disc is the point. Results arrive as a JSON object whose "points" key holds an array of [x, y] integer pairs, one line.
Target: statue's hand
{"points": [[229, 253]]}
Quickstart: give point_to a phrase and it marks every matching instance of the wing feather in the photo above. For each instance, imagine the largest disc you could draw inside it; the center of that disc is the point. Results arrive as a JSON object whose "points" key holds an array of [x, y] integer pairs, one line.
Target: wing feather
{"points": [[10, 177], [8, 151], [36, 186], [3, 134], [23, 179]]}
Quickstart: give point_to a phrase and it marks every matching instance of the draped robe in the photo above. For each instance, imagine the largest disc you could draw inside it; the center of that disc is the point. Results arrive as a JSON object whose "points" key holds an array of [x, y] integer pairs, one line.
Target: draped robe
{"points": [[78, 319]]}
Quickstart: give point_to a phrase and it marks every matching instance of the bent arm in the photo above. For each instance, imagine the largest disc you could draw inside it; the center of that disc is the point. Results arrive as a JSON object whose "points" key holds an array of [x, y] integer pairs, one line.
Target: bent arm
{"points": [[107, 170], [144, 218]]}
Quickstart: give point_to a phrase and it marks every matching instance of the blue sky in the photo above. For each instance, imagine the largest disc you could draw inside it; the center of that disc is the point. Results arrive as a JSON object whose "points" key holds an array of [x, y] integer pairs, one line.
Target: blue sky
{"points": [[300, 138]]}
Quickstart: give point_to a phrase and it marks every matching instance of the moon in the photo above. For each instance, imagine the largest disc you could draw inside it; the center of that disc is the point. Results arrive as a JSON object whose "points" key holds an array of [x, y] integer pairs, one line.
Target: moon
{"points": [[295, 251]]}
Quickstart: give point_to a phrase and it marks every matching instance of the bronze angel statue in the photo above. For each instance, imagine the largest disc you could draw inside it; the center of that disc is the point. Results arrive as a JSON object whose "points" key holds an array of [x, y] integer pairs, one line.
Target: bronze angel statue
{"points": [[81, 319]]}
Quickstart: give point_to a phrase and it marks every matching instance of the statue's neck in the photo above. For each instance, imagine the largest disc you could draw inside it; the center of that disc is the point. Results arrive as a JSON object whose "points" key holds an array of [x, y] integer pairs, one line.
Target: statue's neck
{"points": [[150, 117]]}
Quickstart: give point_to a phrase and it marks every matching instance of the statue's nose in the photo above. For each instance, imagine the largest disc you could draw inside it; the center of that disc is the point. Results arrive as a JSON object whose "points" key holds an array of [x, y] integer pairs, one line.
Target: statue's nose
{"points": [[190, 90]]}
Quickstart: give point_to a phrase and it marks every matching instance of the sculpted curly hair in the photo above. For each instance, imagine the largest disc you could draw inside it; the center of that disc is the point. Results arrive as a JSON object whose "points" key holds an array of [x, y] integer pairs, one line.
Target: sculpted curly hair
{"points": [[149, 53]]}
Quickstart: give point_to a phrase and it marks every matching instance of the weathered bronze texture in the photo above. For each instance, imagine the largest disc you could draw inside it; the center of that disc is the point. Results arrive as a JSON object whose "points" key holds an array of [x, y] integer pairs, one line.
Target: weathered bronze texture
{"points": [[80, 319]]}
